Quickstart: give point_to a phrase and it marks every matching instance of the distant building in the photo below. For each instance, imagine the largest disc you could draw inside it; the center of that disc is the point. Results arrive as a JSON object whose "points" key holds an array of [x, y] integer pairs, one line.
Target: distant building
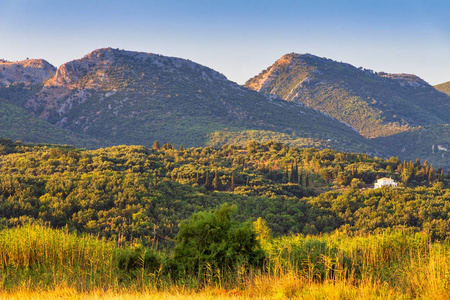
{"points": [[385, 182]]}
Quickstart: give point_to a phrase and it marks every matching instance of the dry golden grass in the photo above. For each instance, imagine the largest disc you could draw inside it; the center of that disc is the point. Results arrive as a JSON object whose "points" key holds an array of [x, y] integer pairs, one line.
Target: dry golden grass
{"points": [[262, 288], [46, 264]]}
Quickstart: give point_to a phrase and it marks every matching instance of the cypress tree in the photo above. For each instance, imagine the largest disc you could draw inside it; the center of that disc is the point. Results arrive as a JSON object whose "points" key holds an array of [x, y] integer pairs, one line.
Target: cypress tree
{"points": [[307, 180], [216, 181], [287, 174], [292, 177], [232, 181], [198, 178], [207, 179], [417, 163], [156, 145]]}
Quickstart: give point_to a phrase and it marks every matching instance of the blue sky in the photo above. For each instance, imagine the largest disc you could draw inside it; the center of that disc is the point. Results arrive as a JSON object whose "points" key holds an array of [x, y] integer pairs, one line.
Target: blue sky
{"points": [[236, 38]]}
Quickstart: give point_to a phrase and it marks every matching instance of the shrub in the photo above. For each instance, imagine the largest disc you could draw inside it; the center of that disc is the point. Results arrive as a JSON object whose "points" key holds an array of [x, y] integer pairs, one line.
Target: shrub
{"points": [[212, 238]]}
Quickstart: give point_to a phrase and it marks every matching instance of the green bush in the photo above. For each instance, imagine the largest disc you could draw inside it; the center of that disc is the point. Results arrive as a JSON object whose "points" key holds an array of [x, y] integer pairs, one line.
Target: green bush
{"points": [[213, 239], [138, 257]]}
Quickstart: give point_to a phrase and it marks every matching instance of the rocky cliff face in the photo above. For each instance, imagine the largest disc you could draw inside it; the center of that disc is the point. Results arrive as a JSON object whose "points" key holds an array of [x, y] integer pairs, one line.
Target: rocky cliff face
{"points": [[108, 71], [102, 68], [31, 71]]}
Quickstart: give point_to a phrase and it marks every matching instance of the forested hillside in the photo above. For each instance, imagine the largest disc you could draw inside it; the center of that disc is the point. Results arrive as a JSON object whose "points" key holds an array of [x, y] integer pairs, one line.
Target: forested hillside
{"points": [[18, 124], [135, 192]]}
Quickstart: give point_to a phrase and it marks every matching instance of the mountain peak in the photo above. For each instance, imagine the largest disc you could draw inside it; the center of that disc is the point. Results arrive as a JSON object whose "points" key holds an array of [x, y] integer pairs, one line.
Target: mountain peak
{"points": [[29, 71], [102, 66], [352, 94]]}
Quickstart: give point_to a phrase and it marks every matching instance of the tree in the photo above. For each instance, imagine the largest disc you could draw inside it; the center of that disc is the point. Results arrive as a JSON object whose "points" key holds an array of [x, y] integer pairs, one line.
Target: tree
{"points": [[232, 181], [216, 181], [207, 179], [356, 183], [214, 238], [156, 145], [262, 229], [417, 163]]}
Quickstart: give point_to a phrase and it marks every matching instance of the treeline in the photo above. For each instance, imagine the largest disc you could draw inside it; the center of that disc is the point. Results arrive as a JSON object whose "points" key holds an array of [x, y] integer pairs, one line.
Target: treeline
{"points": [[129, 192]]}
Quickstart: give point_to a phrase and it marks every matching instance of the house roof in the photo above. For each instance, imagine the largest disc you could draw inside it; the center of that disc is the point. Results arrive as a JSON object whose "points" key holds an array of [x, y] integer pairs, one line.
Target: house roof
{"points": [[385, 178]]}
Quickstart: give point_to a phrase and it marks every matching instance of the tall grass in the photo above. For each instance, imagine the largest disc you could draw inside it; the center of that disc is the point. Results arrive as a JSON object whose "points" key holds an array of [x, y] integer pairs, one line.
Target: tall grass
{"points": [[40, 257], [388, 265]]}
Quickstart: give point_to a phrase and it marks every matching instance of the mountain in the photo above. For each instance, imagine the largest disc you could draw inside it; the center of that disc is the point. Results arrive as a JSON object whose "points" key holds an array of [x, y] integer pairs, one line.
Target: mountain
{"points": [[30, 71], [443, 87], [18, 82], [401, 113], [376, 104], [125, 97]]}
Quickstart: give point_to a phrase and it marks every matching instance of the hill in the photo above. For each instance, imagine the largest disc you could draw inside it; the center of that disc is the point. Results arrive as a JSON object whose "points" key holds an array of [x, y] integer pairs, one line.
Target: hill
{"points": [[376, 104], [392, 108], [18, 124], [111, 220], [128, 97], [30, 71], [430, 143], [443, 87]]}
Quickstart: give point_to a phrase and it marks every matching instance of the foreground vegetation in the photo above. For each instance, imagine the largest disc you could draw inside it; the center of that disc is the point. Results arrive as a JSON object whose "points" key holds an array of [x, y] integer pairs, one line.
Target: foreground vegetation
{"points": [[387, 265]]}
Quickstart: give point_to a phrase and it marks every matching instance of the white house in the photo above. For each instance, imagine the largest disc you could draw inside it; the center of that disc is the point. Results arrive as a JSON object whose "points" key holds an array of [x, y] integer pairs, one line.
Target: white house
{"points": [[385, 182]]}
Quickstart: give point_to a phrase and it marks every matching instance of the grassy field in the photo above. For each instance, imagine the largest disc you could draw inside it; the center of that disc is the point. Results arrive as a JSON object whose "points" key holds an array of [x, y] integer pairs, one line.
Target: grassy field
{"points": [[41, 263]]}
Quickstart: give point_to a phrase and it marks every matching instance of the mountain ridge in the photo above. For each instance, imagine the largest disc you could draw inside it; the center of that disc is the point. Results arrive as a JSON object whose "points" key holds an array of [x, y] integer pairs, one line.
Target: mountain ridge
{"points": [[343, 91], [128, 97], [116, 97], [443, 87], [29, 71]]}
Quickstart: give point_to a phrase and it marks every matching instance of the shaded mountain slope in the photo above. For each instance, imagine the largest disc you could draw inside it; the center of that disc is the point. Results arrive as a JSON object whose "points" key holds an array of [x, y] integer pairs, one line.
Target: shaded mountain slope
{"points": [[430, 143], [18, 124]]}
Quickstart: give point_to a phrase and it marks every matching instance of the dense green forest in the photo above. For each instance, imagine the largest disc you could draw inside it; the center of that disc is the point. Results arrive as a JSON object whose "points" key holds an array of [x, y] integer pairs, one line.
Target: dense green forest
{"points": [[129, 192]]}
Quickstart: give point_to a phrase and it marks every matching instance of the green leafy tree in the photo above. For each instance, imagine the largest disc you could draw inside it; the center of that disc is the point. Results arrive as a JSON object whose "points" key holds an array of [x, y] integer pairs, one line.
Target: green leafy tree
{"points": [[214, 238], [262, 229]]}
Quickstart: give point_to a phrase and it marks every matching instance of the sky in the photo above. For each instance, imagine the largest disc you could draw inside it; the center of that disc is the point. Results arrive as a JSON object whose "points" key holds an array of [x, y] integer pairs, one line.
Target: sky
{"points": [[236, 38]]}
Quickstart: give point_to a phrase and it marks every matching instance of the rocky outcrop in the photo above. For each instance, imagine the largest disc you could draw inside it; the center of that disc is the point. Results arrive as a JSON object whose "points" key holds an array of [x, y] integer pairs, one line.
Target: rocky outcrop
{"points": [[94, 70], [108, 70], [30, 71]]}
